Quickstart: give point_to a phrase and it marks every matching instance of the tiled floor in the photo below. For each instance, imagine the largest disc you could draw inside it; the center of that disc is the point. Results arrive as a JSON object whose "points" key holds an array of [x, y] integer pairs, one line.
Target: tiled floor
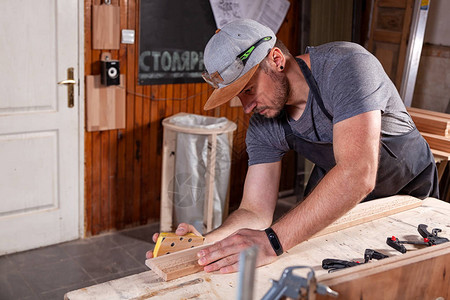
{"points": [[50, 272]]}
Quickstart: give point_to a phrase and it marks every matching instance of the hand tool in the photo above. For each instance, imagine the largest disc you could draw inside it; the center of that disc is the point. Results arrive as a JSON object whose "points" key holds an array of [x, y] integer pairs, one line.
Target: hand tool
{"points": [[297, 287], [332, 264], [429, 239], [169, 242]]}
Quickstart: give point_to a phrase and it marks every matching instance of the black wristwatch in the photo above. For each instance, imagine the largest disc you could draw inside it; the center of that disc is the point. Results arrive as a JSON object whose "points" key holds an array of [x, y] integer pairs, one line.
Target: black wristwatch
{"points": [[274, 242]]}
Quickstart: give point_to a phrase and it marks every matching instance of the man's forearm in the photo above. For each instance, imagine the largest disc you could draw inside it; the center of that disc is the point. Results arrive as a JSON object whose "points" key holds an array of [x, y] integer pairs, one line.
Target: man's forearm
{"points": [[240, 218], [332, 198]]}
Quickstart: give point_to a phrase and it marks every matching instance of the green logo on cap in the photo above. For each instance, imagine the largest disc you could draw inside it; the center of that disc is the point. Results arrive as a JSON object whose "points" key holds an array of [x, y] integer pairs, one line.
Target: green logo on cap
{"points": [[244, 56]]}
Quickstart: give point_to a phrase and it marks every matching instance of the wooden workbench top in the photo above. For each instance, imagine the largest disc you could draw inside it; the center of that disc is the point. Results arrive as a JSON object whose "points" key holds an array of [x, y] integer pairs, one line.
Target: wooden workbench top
{"points": [[346, 244]]}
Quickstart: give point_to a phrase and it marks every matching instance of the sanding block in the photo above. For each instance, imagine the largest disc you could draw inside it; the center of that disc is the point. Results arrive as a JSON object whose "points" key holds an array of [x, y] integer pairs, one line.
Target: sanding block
{"points": [[169, 242]]}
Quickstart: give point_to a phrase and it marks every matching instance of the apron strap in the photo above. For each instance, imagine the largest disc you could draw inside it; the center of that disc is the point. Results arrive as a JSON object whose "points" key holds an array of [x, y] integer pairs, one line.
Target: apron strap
{"points": [[313, 86]]}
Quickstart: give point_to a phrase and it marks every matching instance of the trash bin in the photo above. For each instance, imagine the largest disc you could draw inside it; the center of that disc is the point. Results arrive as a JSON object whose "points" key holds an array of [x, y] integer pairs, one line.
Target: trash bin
{"points": [[196, 171]]}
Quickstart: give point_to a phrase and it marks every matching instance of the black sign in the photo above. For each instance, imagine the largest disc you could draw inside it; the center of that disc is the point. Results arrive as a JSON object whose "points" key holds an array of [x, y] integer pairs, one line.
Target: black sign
{"points": [[173, 35]]}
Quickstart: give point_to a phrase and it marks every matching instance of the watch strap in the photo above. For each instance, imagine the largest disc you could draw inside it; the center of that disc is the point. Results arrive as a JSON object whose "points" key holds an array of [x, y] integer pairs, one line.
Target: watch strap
{"points": [[274, 241]]}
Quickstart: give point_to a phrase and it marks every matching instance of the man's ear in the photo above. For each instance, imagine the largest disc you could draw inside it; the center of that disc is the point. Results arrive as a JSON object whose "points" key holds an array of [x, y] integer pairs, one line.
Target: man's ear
{"points": [[277, 58]]}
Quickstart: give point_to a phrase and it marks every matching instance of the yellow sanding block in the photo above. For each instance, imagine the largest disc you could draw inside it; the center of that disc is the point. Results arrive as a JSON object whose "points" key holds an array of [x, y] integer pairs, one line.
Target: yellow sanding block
{"points": [[169, 242]]}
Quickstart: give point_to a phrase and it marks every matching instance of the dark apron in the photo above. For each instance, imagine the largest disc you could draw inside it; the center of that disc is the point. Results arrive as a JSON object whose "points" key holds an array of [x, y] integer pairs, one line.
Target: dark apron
{"points": [[406, 164]]}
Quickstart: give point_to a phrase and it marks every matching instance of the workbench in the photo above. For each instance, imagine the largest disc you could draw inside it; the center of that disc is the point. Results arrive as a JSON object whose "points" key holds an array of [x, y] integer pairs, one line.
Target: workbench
{"points": [[346, 244]]}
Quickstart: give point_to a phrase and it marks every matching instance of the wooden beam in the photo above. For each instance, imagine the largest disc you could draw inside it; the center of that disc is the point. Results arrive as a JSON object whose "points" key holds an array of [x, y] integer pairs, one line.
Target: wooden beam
{"points": [[175, 265], [430, 123], [372, 210], [428, 112], [437, 142]]}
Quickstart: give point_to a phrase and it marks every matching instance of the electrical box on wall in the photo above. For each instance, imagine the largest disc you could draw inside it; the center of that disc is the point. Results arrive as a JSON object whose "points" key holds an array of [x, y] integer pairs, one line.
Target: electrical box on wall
{"points": [[110, 72]]}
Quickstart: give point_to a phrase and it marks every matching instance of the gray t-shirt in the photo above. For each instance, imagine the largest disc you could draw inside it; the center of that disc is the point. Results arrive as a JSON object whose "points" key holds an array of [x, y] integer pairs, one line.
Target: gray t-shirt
{"points": [[351, 82]]}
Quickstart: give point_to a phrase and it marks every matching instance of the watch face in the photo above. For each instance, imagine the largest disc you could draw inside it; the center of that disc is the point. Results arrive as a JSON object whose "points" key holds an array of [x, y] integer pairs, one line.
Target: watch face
{"points": [[274, 241]]}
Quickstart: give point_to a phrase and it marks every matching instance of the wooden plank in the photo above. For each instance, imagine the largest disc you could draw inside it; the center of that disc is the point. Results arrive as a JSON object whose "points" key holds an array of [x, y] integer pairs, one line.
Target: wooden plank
{"points": [[428, 112], [105, 26], [400, 277], [437, 142], [176, 265], [431, 124], [441, 154], [167, 266], [105, 105], [210, 183], [372, 210], [167, 182]]}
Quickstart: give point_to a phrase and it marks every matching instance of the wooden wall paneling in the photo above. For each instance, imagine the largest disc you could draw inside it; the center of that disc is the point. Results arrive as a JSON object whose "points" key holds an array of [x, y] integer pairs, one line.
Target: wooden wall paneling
{"points": [[104, 182], [118, 200], [88, 185], [176, 98], [96, 158], [191, 100], [183, 96], [123, 167], [96, 182], [137, 155], [129, 133], [162, 113], [129, 157], [145, 156], [197, 99], [154, 127], [112, 179]]}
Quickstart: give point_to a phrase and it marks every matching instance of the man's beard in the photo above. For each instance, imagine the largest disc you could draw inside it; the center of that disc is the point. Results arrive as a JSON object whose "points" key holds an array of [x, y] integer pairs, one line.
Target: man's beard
{"points": [[281, 94]]}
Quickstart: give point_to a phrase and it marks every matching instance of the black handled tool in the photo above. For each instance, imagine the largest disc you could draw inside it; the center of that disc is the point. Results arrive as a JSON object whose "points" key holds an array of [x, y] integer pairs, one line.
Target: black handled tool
{"points": [[332, 264], [429, 239]]}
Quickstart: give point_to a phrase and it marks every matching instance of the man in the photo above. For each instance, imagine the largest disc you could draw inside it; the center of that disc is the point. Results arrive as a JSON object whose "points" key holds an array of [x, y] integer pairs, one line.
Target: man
{"points": [[334, 105]]}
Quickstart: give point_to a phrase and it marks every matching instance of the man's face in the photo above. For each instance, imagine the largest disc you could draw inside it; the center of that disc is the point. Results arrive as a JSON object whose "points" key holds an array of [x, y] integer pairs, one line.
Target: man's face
{"points": [[266, 93]]}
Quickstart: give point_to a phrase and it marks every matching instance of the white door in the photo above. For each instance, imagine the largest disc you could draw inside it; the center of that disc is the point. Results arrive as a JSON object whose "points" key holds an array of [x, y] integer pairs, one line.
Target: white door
{"points": [[39, 133]]}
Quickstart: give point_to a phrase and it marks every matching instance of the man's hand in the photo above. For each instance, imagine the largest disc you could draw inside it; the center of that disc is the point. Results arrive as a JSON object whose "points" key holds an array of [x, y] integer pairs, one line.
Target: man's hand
{"points": [[183, 228], [224, 255]]}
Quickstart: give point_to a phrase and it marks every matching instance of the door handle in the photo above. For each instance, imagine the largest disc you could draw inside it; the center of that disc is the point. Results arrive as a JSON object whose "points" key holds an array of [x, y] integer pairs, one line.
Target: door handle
{"points": [[70, 82]]}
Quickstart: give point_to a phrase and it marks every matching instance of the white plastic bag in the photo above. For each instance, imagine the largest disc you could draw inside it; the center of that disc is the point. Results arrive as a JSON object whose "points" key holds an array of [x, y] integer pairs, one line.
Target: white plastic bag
{"points": [[191, 167]]}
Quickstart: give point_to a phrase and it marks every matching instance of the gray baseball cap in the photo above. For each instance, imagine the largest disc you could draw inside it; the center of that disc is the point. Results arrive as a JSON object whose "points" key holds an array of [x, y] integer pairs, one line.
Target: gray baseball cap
{"points": [[232, 56]]}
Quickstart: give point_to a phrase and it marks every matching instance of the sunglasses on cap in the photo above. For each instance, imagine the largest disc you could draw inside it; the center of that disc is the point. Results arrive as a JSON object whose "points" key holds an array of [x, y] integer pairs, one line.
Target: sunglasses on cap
{"points": [[234, 70]]}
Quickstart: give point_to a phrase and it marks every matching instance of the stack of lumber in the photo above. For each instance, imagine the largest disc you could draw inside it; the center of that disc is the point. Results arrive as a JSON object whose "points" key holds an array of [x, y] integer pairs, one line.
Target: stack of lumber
{"points": [[434, 127]]}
